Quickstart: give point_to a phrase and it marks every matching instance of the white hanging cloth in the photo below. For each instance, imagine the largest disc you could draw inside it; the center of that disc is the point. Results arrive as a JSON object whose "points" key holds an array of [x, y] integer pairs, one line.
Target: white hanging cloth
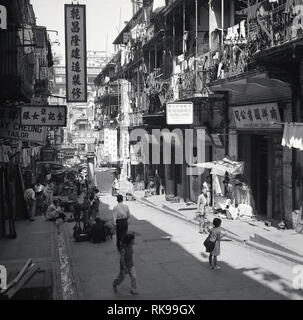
{"points": [[158, 4], [293, 135]]}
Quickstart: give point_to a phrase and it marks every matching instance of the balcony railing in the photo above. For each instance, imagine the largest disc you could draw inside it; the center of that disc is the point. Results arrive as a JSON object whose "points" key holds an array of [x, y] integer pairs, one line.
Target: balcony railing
{"points": [[274, 26], [227, 63], [190, 84]]}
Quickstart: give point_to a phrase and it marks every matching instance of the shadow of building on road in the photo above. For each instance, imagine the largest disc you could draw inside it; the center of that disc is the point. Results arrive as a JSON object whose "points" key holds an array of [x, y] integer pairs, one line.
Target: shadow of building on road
{"points": [[166, 270]]}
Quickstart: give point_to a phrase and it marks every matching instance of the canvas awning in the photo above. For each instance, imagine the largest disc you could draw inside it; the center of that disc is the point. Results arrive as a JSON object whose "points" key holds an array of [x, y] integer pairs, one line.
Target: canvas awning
{"points": [[220, 167]]}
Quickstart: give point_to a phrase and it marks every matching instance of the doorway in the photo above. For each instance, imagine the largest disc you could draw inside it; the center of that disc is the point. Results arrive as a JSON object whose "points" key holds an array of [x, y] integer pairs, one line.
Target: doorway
{"points": [[254, 151]]}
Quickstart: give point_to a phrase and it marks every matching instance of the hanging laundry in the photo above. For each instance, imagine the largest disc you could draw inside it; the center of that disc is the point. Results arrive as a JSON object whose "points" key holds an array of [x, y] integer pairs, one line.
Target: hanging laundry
{"points": [[1, 154], [286, 135], [7, 153], [217, 185], [298, 137], [293, 135], [158, 4], [242, 30]]}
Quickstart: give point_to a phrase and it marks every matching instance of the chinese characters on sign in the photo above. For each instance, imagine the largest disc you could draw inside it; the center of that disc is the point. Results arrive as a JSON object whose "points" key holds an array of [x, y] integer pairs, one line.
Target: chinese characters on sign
{"points": [[44, 116], [257, 116], [84, 137], [75, 47], [179, 113], [11, 127]]}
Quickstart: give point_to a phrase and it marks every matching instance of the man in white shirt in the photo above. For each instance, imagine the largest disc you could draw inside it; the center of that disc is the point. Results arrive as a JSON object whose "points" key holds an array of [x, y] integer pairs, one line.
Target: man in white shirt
{"points": [[121, 215], [30, 199]]}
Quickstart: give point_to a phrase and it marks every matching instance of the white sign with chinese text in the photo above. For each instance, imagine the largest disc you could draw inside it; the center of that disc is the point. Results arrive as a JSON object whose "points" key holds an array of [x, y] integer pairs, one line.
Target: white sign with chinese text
{"points": [[257, 116], [44, 116], [11, 127], [75, 49], [179, 113]]}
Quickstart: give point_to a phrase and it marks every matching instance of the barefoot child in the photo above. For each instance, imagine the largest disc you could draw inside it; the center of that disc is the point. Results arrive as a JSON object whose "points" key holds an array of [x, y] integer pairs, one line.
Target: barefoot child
{"points": [[215, 236], [127, 264]]}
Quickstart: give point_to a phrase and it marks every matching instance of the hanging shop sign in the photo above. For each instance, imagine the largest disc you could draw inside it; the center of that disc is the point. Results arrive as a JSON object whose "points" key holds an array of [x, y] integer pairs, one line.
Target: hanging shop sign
{"points": [[44, 116], [75, 49], [84, 141], [179, 113], [11, 127], [257, 116], [3, 18]]}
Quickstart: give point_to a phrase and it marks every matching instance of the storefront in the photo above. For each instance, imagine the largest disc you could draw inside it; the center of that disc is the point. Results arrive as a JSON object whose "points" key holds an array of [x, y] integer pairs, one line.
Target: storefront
{"points": [[259, 132]]}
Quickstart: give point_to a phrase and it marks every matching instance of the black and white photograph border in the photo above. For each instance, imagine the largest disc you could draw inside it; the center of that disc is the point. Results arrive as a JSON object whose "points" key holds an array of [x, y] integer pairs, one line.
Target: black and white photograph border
{"points": [[151, 153]]}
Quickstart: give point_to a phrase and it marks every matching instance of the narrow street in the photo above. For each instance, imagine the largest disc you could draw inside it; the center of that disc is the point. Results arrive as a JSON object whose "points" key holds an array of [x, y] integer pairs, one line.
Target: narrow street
{"points": [[171, 264]]}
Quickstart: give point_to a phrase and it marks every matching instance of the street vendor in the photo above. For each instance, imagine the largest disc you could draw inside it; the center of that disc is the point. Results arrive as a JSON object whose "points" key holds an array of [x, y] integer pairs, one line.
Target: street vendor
{"points": [[203, 208], [39, 188], [207, 185], [53, 211]]}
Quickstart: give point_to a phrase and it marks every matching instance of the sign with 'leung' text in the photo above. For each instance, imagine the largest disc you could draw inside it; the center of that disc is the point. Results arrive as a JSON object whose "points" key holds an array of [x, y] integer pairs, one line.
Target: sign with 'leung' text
{"points": [[75, 49], [11, 127], [44, 116]]}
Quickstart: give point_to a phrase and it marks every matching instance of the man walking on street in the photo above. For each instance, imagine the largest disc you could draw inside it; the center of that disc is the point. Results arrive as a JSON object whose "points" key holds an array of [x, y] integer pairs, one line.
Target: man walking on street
{"points": [[121, 215], [127, 264]]}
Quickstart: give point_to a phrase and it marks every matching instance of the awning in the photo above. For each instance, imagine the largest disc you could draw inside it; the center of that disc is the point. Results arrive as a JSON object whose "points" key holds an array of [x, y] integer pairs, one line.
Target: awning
{"points": [[222, 166]]}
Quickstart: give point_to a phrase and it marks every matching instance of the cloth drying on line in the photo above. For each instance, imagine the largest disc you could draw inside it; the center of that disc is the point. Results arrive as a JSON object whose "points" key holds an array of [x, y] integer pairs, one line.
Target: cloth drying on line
{"points": [[293, 135]]}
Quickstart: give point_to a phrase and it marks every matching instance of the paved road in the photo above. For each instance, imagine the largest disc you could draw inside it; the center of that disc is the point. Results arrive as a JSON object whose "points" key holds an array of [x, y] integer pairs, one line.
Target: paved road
{"points": [[171, 264]]}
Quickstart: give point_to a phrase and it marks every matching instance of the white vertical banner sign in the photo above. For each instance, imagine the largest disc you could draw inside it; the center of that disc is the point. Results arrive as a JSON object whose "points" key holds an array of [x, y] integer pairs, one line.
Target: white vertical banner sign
{"points": [[75, 50]]}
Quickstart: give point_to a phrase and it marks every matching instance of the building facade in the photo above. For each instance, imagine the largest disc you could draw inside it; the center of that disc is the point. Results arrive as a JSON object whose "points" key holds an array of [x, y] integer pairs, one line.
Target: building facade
{"points": [[238, 63], [26, 71]]}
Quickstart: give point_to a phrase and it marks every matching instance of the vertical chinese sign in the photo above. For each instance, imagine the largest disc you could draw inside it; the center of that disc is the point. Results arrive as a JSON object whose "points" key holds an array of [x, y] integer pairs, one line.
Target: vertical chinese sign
{"points": [[75, 48]]}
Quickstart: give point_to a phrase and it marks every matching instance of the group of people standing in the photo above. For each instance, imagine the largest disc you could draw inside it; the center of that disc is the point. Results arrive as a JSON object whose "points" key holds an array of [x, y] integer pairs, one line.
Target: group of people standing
{"points": [[37, 198]]}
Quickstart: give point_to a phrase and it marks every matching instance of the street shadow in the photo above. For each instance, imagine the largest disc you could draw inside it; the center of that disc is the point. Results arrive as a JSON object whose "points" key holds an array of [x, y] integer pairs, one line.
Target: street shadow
{"points": [[166, 270]]}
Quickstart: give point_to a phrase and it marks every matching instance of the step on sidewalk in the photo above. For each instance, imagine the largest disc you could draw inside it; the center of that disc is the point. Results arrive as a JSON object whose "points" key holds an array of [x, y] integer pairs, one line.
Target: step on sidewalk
{"points": [[283, 243]]}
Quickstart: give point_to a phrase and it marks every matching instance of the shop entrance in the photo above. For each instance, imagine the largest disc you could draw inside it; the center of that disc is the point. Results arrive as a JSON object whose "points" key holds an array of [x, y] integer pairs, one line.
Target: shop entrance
{"points": [[260, 172], [253, 150]]}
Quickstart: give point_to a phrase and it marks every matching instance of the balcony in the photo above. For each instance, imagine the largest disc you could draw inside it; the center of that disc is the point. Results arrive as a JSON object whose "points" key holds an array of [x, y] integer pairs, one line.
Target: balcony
{"points": [[223, 64], [273, 26], [190, 84]]}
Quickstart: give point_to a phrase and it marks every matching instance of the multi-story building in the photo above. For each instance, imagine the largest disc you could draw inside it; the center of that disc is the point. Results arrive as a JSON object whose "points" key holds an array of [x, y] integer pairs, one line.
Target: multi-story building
{"points": [[238, 63], [80, 116], [107, 109], [25, 72]]}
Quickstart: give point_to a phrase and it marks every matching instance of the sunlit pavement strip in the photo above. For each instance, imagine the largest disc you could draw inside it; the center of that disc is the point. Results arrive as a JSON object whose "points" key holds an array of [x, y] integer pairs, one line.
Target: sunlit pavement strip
{"points": [[66, 275], [281, 270]]}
